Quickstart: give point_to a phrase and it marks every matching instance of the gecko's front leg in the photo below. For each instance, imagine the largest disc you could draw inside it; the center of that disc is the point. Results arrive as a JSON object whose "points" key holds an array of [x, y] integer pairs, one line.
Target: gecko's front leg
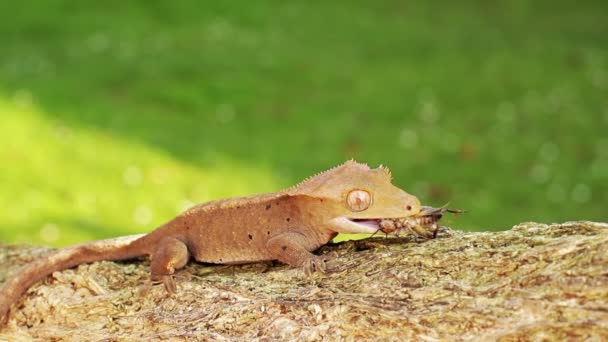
{"points": [[170, 255], [290, 248]]}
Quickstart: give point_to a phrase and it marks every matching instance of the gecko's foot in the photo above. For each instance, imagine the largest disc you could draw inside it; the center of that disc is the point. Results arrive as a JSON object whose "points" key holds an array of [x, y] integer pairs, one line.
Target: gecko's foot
{"points": [[169, 283], [314, 264]]}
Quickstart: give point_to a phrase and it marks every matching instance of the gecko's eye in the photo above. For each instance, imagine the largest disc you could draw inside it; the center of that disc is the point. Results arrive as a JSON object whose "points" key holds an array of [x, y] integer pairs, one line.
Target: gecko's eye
{"points": [[358, 200]]}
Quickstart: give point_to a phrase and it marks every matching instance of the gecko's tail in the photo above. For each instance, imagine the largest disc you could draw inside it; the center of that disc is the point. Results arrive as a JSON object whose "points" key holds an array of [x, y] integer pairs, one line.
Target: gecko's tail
{"points": [[111, 249]]}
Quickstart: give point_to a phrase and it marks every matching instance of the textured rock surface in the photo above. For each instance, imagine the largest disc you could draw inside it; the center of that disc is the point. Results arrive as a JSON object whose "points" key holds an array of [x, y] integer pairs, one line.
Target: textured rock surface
{"points": [[533, 282]]}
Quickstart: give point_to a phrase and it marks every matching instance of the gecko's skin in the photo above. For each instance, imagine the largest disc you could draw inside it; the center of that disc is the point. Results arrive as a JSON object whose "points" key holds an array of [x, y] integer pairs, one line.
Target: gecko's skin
{"points": [[285, 226]]}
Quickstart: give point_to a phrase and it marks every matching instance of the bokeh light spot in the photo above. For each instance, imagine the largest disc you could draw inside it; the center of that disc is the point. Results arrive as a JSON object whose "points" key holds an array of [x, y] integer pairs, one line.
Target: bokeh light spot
{"points": [[581, 193], [98, 42], [132, 176], [548, 152], [506, 113], [599, 168], [429, 113], [540, 173], [49, 233], [142, 215], [408, 138]]}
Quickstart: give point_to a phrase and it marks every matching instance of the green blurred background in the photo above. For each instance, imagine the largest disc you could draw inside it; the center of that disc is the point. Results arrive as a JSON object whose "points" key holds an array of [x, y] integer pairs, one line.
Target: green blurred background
{"points": [[117, 115]]}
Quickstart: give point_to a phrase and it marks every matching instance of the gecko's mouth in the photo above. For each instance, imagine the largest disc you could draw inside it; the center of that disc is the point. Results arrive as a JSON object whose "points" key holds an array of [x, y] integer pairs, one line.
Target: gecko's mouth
{"points": [[348, 225], [368, 223]]}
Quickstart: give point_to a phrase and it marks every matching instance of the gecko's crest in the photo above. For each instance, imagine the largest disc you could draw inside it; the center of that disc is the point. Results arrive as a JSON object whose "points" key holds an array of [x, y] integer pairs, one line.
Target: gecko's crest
{"points": [[387, 171], [322, 176], [342, 171]]}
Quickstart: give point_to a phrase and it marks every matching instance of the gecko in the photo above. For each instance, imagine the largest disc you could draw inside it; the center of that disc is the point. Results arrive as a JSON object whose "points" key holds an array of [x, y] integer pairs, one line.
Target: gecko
{"points": [[287, 226]]}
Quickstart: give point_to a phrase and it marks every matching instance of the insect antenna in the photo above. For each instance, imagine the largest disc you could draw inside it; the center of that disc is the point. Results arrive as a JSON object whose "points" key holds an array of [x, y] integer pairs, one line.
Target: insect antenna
{"points": [[455, 211]]}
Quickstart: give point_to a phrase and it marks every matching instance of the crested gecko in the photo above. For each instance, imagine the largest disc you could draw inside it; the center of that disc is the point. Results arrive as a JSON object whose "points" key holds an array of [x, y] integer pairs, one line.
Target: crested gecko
{"points": [[286, 226]]}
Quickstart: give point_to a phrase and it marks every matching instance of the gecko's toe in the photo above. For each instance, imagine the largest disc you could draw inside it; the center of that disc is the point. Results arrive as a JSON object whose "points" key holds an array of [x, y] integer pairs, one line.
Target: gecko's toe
{"points": [[315, 264], [169, 283], [320, 265]]}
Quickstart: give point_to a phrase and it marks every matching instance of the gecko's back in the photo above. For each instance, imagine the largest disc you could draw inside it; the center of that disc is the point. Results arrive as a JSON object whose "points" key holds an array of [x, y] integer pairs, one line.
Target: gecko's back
{"points": [[237, 230]]}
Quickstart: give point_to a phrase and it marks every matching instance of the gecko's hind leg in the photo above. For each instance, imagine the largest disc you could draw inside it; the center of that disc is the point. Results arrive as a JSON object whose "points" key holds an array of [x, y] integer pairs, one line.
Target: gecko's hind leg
{"points": [[170, 255]]}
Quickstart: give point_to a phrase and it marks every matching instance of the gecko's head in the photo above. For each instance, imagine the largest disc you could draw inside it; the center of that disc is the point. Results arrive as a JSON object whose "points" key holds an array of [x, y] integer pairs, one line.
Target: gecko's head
{"points": [[355, 197]]}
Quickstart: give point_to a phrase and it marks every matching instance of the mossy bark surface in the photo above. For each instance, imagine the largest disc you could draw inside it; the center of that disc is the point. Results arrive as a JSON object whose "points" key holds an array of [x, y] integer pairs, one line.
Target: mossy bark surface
{"points": [[533, 282]]}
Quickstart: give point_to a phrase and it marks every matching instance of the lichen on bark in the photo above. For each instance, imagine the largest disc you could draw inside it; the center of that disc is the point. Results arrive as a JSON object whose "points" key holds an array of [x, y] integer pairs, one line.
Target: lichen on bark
{"points": [[533, 282]]}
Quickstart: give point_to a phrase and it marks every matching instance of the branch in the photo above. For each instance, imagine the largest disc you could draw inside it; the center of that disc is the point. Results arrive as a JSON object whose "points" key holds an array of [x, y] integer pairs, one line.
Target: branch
{"points": [[534, 281]]}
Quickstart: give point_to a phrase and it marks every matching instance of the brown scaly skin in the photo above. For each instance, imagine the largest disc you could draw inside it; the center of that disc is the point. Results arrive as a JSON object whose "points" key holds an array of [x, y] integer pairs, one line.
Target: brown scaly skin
{"points": [[286, 226]]}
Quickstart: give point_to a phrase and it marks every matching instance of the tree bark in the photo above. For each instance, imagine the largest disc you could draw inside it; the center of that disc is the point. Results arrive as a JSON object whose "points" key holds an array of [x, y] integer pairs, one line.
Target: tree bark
{"points": [[533, 282]]}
